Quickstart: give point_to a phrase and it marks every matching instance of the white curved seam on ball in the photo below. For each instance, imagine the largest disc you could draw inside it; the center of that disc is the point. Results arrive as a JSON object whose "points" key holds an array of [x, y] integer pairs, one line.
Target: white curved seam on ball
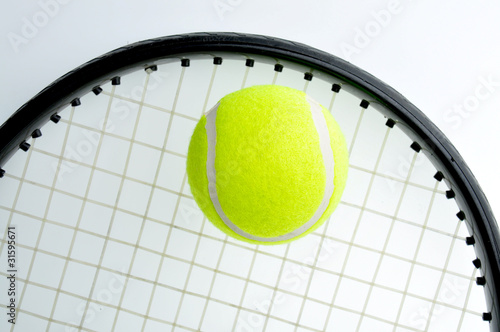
{"points": [[326, 150], [211, 141], [211, 131], [328, 160]]}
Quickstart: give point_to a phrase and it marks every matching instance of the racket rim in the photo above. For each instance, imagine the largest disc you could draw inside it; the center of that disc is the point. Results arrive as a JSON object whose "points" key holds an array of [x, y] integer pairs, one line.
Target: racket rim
{"points": [[76, 83]]}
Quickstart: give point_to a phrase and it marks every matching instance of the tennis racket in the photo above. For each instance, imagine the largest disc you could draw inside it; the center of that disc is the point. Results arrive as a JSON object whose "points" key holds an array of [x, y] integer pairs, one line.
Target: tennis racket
{"points": [[99, 230]]}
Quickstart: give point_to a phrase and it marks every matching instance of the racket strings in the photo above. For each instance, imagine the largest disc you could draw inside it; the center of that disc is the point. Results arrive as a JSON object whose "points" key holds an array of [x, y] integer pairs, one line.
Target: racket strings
{"points": [[273, 315], [433, 305], [362, 209], [66, 261], [405, 291], [181, 301], [9, 221], [390, 228], [35, 249], [184, 180], [129, 272], [45, 213], [98, 267]]}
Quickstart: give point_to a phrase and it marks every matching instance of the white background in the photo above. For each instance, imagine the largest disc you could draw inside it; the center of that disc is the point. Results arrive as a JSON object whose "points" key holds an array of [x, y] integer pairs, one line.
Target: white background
{"points": [[438, 54]]}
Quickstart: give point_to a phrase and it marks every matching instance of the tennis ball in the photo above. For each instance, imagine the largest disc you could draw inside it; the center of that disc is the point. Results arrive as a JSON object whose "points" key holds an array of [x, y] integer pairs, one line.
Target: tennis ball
{"points": [[267, 164]]}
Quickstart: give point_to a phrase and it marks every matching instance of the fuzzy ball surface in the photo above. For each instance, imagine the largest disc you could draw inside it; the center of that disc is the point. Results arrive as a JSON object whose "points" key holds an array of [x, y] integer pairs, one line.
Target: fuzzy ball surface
{"points": [[267, 164]]}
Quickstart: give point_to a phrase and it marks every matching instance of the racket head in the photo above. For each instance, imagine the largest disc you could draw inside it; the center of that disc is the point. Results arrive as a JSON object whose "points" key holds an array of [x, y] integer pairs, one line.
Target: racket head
{"points": [[278, 54]]}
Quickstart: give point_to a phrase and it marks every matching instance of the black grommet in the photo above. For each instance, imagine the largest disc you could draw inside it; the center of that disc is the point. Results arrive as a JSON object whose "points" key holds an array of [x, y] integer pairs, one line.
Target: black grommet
{"points": [[450, 194], [36, 133], [217, 60], [76, 102], [308, 76], [24, 146], [364, 103], [151, 69], [439, 176], [481, 281], [278, 67], [416, 147], [97, 90], [461, 215], [55, 118], [336, 87], [390, 123], [249, 62], [116, 80], [2, 172], [470, 240], [185, 62], [487, 316], [477, 263]]}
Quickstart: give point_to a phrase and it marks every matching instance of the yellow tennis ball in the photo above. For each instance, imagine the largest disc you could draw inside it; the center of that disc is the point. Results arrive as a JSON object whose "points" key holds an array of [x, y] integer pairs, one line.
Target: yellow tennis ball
{"points": [[267, 164]]}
